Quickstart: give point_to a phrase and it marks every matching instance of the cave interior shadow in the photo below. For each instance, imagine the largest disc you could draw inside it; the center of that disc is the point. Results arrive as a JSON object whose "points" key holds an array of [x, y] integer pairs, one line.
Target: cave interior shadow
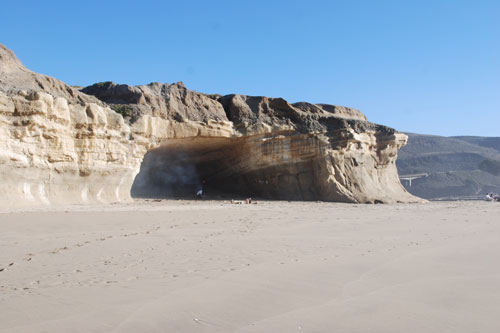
{"points": [[180, 170], [177, 170]]}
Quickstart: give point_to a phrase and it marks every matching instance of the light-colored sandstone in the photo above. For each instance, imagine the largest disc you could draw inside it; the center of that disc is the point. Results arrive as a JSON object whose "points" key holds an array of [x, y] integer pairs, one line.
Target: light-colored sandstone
{"points": [[59, 145]]}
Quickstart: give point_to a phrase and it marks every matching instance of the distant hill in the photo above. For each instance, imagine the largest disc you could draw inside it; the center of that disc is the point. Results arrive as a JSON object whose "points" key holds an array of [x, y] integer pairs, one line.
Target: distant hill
{"points": [[482, 141], [461, 166]]}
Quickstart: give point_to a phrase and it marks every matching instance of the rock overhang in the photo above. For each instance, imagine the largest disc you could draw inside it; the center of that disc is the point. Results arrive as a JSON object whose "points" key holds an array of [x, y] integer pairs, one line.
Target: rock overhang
{"points": [[76, 143]]}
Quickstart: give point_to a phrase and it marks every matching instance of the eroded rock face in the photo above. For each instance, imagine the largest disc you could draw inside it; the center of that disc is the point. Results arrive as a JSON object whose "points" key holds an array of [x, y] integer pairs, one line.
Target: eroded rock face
{"points": [[14, 77], [61, 145], [166, 101], [317, 152]]}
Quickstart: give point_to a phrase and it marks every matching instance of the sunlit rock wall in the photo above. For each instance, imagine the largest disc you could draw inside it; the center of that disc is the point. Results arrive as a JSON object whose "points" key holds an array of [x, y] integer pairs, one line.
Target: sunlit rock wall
{"points": [[53, 152], [59, 145]]}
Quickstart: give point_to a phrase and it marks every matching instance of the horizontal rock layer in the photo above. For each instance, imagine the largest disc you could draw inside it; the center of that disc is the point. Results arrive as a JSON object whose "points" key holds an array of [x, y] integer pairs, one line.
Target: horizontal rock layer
{"points": [[60, 145]]}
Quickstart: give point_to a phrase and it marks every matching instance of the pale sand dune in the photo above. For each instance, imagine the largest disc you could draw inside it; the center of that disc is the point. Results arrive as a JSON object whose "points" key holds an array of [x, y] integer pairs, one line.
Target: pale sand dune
{"points": [[180, 266]]}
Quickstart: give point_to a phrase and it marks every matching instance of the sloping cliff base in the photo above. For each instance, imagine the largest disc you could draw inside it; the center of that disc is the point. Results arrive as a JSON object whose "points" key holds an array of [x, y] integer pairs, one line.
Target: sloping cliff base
{"points": [[100, 144]]}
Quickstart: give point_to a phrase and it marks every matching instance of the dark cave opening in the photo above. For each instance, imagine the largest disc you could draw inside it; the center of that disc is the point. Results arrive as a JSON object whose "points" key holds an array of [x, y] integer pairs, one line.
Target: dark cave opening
{"points": [[230, 168], [178, 169]]}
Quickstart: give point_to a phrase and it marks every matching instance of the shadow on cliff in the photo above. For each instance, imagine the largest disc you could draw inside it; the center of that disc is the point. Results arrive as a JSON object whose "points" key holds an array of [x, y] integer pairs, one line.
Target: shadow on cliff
{"points": [[181, 169], [227, 165]]}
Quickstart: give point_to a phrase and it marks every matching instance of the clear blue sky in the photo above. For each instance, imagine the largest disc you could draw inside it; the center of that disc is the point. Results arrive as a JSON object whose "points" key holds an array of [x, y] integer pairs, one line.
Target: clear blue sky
{"points": [[421, 66]]}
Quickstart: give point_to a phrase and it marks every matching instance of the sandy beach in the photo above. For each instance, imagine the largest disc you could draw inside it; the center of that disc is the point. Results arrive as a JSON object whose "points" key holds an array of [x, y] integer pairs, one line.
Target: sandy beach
{"points": [[212, 266]]}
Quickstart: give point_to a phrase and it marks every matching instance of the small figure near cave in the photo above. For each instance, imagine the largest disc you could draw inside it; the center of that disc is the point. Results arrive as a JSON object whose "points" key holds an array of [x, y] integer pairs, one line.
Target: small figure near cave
{"points": [[492, 197], [203, 183], [200, 193]]}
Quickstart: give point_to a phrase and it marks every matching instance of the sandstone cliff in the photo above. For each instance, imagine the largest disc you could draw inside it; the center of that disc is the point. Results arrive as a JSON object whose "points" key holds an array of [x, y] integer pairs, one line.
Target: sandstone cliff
{"points": [[61, 145]]}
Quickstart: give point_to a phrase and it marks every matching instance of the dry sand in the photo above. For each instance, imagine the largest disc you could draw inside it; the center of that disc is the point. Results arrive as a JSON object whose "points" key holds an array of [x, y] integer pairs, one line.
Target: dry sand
{"points": [[186, 266]]}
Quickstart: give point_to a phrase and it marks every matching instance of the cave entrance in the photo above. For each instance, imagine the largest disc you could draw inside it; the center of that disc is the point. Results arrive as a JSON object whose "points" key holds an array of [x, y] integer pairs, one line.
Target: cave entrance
{"points": [[231, 167], [177, 169]]}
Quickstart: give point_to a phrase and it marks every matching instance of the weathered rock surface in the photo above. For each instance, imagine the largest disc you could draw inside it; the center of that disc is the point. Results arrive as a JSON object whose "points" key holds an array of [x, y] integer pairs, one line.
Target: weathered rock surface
{"points": [[165, 101], [61, 145], [14, 77]]}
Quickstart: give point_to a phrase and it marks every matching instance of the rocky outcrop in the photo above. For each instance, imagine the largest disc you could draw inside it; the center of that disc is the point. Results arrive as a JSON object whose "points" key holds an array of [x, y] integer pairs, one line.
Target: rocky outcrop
{"points": [[311, 152], [165, 101], [14, 77], [61, 145], [58, 145]]}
